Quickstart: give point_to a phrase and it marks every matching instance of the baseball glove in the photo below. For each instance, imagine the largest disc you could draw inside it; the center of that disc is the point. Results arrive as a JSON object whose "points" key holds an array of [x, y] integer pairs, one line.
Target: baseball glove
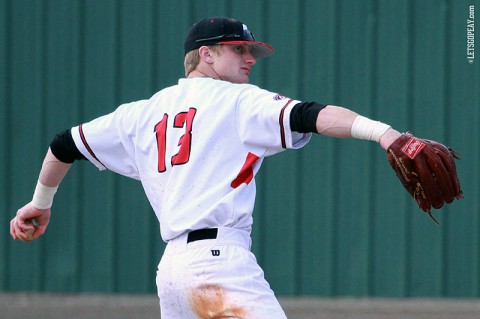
{"points": [[427, 170]]}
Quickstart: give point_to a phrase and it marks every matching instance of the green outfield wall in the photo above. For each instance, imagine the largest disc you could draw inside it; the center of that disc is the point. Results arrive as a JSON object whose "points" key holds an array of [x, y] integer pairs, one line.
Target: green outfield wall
{"points": [[331, 219]]}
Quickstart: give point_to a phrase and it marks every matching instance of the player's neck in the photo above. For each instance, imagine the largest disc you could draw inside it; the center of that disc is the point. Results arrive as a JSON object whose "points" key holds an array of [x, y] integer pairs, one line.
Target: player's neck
{"points": [[197, 74], [204, 71]]}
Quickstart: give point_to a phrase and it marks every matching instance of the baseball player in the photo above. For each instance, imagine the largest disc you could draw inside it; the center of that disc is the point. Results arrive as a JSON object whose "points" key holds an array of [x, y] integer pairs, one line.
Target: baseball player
{"points": [[196, 148]]}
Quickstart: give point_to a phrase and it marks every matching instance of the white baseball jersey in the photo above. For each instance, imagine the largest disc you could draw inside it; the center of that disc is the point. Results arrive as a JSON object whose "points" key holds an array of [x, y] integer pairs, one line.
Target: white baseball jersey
{"points": [[196, 148]]}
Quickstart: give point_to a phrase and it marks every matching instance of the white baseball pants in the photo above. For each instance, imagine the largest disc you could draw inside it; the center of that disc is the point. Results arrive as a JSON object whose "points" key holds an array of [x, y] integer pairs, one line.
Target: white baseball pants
{"points": [[214, 278]]}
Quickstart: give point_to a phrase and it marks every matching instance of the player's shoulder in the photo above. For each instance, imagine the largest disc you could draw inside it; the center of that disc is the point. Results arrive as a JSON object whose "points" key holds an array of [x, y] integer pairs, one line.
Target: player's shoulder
{"points": [[129, 112], [206, 83], [131, 107]]}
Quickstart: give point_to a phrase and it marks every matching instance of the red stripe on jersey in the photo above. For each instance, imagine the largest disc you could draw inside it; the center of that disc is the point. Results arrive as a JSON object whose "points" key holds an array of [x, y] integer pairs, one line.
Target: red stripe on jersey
{"points": [[282, 128], [246, 173], [84, 140]]}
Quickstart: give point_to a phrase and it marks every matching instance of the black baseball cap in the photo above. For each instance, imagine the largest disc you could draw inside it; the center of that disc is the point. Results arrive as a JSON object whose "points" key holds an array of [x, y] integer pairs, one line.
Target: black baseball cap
{"points": [[222, 30]]}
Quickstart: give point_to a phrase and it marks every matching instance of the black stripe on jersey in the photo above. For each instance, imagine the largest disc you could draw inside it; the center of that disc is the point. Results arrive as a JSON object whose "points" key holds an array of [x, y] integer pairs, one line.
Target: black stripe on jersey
{"points": [[282, 128], [84, 140]]}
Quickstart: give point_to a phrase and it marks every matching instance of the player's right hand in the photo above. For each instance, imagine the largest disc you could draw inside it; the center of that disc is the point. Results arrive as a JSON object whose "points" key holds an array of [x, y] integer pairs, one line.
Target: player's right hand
{"points": [[19, 225]]}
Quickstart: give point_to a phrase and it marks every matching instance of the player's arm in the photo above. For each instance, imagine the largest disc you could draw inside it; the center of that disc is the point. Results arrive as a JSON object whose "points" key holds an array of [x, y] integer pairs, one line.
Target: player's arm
{"points": [[340, 122], [425, 168], [57, 162]]}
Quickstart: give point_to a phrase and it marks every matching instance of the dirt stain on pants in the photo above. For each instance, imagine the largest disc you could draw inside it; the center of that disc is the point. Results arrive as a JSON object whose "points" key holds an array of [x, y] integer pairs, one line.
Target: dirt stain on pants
{"points": [[210, 302]]}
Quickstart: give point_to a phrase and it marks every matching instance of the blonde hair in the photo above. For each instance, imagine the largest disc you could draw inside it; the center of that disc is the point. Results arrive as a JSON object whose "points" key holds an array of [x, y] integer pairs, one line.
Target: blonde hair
{"points": [[192, 58], [191, 61]]}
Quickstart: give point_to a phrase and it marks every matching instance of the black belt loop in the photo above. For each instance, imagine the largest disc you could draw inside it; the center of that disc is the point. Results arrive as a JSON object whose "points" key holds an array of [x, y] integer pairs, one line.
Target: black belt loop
{"points": [[200, 234]]}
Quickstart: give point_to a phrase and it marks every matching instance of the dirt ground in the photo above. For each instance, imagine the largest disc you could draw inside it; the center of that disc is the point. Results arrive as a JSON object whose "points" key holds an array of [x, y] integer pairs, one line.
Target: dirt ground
{"points": [[83, 306]]}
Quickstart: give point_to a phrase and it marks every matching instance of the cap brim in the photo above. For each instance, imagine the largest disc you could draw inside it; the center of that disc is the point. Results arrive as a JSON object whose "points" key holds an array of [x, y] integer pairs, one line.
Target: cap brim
{"points": [[259, 49]]}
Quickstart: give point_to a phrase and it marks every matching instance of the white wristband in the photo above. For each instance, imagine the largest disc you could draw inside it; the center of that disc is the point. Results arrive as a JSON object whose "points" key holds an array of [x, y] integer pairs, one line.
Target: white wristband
{"points": [[367, 129], [43, 196]]}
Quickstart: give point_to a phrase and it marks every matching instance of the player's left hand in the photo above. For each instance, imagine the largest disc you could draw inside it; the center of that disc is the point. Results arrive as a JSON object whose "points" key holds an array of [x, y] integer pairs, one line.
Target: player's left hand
{"points": [[427, 171], [21, 226]]}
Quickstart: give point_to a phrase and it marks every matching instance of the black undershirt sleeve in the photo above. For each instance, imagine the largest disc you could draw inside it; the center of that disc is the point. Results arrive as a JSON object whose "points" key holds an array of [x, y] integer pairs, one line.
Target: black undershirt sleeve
{"points": [[303, 117], [64, 148]]}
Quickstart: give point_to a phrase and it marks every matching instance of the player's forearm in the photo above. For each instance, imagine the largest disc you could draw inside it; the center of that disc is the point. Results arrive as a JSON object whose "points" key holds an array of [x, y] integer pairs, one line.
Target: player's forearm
{"points": [[53, 171], [335, 121], [341, 122]]}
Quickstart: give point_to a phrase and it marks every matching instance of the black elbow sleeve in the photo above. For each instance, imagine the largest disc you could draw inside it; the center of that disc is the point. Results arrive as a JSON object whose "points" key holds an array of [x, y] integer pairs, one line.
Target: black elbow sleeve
{"points": [[64, 148], [303, 118]]}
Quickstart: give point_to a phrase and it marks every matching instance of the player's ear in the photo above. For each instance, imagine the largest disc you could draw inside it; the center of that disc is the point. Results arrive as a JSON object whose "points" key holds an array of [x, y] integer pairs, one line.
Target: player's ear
{"points": [[205, 54]]}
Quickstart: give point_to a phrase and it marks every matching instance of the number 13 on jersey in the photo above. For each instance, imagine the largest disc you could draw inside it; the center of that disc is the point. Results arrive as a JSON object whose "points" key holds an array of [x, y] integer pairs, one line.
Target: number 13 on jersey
{"points": [[182, 119]]}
